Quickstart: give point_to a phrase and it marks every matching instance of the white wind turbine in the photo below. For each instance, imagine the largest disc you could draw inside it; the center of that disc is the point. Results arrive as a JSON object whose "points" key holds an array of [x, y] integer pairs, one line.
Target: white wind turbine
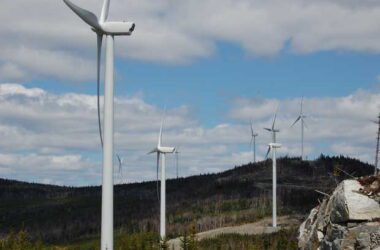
{"points": [[176, 152], [253, 143], [273, 130], [161, 150], [121, 163], [272, 147], [110, 29], [301, 117]]}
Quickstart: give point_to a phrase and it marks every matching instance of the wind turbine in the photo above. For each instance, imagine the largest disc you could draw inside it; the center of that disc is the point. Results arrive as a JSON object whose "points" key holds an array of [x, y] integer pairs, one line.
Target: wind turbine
{"points": [[176, 159], [110, 29], [272, 147], [121, 163], [301, 118], [273, 130], [253, 142], [161, 150]]}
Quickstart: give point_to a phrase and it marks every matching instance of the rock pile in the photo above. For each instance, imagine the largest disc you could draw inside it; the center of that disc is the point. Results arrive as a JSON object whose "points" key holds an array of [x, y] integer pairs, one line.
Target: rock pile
{"points": [[348, 219]]}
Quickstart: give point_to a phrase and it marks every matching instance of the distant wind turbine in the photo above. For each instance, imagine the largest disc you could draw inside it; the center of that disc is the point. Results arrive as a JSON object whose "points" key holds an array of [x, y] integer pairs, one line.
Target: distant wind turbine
{"points": [[110, 29], [273, 131], [272, 147], [253, 143], [161, 150], [301, 117], [177, 152], [121, 162]]}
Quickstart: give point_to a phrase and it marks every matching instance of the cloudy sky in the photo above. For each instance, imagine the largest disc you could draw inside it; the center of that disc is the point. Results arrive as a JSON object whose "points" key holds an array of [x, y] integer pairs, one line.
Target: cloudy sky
{"points": [[215, 65]]}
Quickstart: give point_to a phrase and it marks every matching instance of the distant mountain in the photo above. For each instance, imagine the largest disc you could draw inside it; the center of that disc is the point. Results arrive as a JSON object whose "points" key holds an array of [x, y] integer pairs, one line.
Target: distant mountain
{"points": [[240, 195]]}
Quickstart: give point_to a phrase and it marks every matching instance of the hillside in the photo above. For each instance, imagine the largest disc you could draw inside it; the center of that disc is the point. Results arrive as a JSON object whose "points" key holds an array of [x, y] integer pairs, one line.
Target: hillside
{"points": [[240, 195]]}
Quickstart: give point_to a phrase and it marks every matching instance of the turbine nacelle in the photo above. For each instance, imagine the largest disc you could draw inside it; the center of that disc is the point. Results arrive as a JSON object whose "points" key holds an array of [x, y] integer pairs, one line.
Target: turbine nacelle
{"points": [[102, 27], [274, 145], [163, 150], [272, 130], [117, 28]]}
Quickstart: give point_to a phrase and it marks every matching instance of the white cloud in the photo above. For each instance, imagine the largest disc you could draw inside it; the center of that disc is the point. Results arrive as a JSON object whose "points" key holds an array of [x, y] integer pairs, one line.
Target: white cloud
{"points": [[48, 40], [331, 122], [10, 71], [54, 137]]}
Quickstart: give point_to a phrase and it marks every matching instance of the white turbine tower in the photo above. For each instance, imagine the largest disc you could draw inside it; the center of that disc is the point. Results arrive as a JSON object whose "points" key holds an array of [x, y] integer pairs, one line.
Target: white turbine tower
{"points": [[110, 29], [160, 150], [272, 147], [301, 117], [253, 143]]}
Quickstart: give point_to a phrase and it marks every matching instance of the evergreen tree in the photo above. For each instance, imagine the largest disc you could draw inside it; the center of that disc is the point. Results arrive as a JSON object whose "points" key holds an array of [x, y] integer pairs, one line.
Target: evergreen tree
{"points": [[193, 243], [185, 241]]}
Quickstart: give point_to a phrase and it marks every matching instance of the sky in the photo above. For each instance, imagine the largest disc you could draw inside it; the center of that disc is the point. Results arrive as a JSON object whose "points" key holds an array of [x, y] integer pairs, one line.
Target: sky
{"points": [[214, 65]]}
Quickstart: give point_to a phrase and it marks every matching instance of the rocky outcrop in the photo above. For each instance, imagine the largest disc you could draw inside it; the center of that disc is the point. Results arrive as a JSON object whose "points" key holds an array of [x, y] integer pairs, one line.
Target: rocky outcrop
{"points": [[348, 219]]}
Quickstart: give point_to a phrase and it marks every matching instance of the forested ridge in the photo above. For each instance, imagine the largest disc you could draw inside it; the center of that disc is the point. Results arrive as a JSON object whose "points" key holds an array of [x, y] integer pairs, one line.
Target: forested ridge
{"points": [[57, 214]]}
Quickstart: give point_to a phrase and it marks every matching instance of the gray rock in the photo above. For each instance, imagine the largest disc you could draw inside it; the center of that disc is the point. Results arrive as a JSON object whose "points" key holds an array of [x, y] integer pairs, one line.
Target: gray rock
{"points": [[363, 241], [347, 204], [346, 220], [326, 245]]}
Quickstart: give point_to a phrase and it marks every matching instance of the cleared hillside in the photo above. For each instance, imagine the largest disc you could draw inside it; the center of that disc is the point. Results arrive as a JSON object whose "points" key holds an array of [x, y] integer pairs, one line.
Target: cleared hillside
{"points": [[240, 195]]}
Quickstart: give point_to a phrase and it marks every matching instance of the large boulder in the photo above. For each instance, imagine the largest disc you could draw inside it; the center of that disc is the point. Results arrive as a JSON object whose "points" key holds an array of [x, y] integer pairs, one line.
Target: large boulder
{"points": [[348, 204], [348, 219]]}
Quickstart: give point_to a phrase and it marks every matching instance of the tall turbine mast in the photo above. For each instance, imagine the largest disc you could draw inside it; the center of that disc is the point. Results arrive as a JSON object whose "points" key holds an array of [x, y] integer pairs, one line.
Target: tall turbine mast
{"points": [[110, 30], [273, 147], [162, 151]]}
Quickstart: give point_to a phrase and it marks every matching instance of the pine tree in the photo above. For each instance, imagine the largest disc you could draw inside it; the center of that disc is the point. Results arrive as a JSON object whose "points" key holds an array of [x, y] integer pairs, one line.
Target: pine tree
{"points": [[193, 243], [185, 241]]}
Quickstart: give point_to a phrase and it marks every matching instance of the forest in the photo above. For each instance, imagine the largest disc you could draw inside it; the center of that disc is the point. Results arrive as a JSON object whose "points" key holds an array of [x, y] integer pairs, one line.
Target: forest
{"points": [[57, 215]]}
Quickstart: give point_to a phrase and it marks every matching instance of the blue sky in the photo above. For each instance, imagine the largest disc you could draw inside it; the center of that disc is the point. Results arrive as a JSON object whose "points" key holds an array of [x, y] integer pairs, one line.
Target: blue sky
{"points": [[210, 84], [215, 65]]}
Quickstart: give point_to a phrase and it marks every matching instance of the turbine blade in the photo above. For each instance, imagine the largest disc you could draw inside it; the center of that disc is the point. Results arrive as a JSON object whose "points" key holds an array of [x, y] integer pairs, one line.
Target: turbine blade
{"points": [[301, 105], [251, 128], [153, 151], [105, 10], [274, 119], [119, 160], [162, 124], [266, 156], [298, 118], [158, 165], [304, 123], [160, 134], [87, 16], [99, 51], [251, 142]]}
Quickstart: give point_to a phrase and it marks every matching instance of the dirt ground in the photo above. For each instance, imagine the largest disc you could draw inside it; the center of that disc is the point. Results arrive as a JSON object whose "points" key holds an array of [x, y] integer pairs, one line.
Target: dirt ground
{"points": [[263, 226]]}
